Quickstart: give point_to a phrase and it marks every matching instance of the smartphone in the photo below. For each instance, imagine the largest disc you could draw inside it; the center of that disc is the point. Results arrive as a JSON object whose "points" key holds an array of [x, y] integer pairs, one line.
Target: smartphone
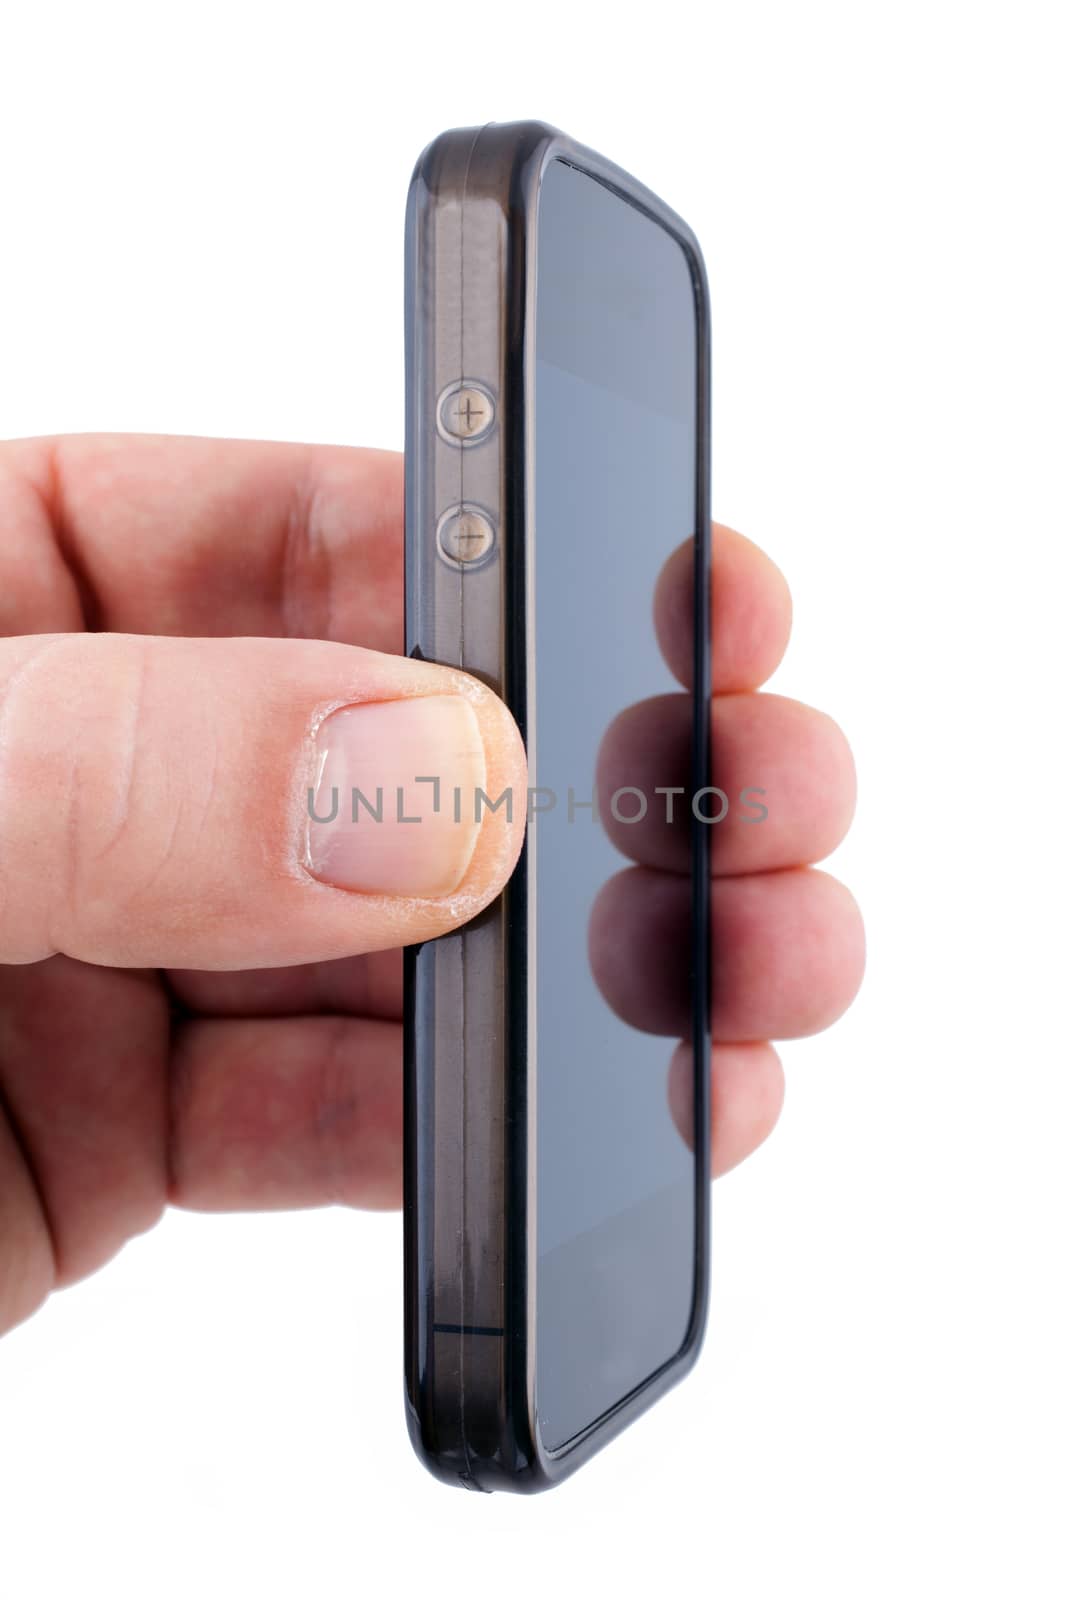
{"points": [[556, 1196]]}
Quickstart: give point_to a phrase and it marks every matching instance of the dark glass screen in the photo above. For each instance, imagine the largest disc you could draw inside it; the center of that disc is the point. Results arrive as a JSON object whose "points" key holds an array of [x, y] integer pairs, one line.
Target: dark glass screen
{"points": [[615, 467]]}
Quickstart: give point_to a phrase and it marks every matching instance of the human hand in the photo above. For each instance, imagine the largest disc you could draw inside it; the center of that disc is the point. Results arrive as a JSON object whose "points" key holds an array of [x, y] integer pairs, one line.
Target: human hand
{"points": [[196, 1011]]}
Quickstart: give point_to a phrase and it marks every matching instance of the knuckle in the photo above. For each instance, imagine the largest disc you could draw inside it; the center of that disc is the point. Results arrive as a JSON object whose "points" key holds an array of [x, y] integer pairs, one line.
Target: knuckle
{"points": [[70, 709]]}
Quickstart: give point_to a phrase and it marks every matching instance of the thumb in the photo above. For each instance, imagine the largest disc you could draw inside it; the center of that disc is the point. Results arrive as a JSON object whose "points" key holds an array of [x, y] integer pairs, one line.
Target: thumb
{"points": [[189, 802]]}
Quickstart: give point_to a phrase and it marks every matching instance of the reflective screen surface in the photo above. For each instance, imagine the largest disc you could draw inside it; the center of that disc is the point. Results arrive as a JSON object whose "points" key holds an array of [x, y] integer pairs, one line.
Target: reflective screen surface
{"points": [[615, 424]]}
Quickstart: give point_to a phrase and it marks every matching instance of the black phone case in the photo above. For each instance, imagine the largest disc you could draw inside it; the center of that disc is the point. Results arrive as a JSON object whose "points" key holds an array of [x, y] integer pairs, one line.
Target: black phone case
{"points": [[469, 1022]]}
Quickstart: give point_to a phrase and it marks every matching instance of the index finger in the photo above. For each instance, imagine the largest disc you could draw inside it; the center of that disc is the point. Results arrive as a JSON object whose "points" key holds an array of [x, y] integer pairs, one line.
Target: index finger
{"points": [[751, 612], [128, 533]]}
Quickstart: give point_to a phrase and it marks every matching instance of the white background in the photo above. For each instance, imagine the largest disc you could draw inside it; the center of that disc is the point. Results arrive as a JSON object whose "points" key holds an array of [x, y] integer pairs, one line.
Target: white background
{"points": [[201, 213]]}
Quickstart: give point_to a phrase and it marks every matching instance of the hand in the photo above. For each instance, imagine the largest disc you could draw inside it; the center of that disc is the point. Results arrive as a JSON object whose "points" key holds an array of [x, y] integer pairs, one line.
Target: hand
{"points": [[200, 997]]}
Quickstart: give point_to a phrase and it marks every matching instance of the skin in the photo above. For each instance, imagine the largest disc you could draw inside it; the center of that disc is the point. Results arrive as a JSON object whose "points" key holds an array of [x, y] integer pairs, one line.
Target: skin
{"points": [[186, 1017]]}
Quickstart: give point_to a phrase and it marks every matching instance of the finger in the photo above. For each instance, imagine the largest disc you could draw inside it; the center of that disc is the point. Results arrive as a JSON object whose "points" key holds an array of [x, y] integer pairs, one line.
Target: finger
{"points": [[787, 952], [82, 1061], [154, 808], [747, 1091], [27, 1270], [307, 1111], [143, 534], [785, 774], [286, 1113], [751, 613], [364, 986]]}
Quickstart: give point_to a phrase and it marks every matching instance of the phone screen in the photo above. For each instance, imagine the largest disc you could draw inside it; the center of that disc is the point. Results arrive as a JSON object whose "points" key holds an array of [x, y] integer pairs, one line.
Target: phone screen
{"points": [[616, 429]]}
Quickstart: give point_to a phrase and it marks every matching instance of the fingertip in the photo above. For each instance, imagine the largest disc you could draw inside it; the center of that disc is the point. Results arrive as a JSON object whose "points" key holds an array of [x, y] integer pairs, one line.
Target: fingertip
{"points": [[747, 1094], [503, 829], [836, 920], [792, 760], [450, 752], [790, 953], [751, 612]]}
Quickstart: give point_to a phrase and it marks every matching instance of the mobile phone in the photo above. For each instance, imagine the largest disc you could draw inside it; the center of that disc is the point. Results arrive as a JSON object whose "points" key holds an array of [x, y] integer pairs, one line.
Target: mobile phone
{"points": [[557, 422]]}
